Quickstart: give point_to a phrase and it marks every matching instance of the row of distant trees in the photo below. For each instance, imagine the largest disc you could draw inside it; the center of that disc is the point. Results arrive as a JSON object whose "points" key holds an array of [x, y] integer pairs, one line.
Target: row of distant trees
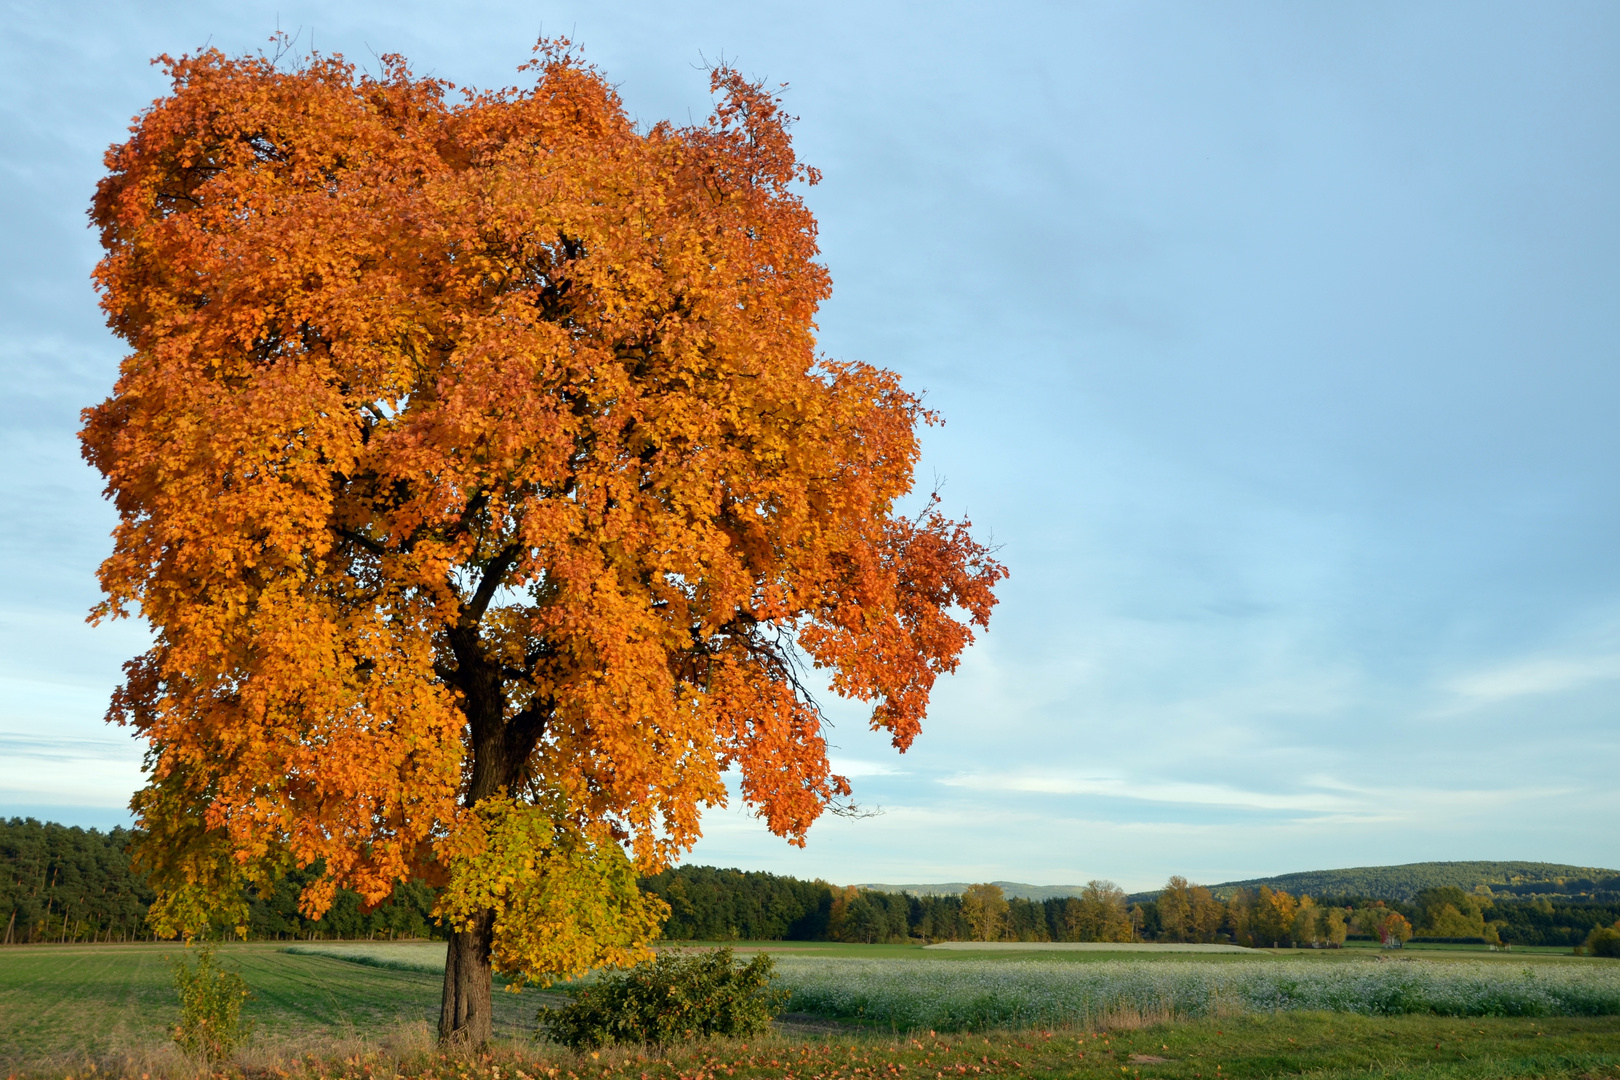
{"points": [[1262, 917], [64, 884], [61, 883], [1184, 912], [709, 904], [68, 884]]}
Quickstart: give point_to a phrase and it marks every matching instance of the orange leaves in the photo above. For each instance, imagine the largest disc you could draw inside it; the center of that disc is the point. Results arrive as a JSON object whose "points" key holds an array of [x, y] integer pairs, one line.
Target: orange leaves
{"points": [[480, 446], [776, 736]]}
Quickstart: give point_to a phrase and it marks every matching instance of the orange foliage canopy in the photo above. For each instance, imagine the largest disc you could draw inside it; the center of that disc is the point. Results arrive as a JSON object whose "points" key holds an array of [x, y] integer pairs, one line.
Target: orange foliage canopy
{"points": [[473, 450]]}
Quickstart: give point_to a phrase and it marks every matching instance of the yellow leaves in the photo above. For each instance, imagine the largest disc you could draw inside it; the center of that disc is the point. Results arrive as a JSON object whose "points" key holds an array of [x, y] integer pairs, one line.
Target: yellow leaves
{"points": [[198, 881], [565, 899]]}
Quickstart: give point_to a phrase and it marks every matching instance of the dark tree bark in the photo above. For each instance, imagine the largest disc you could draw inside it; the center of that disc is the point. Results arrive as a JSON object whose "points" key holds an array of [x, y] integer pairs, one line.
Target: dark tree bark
{"points": [[500, 748], [464, 1015]]}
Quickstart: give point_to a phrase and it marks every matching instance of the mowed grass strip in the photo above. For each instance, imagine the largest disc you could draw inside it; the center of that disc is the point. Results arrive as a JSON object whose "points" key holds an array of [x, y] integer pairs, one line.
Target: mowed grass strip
{"points": [[99, 999]]}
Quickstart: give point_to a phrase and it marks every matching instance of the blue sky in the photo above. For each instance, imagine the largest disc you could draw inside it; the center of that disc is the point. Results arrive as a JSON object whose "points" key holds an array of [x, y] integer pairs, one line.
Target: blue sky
{"points": [[1278, 348]]}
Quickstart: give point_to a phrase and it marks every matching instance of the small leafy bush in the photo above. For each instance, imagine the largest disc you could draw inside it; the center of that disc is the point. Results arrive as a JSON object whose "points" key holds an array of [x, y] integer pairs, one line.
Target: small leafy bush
{"points": [[672, 999], [1604, 941], [211, 1002]]}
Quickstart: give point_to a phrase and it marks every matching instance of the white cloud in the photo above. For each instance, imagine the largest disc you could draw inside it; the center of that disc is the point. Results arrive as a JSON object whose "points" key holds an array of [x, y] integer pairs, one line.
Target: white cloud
{"points": [[68, 771], [1314, 802], [1326, 800], [857, 767], [1546, 675]]}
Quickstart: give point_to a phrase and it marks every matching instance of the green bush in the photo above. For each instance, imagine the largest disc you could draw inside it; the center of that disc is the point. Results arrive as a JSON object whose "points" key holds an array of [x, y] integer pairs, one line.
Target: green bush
{"points": [[210, 1007], [672, 999], [1604, 941]]}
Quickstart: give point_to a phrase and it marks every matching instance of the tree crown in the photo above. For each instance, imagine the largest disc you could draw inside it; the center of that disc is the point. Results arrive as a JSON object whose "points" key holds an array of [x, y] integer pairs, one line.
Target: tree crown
{"points": [[473, 453]]}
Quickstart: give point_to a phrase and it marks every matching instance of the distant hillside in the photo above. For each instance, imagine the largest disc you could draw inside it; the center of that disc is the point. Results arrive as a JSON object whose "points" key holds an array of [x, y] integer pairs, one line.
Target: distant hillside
{"points": [[1016, 889], [1516, 879]]}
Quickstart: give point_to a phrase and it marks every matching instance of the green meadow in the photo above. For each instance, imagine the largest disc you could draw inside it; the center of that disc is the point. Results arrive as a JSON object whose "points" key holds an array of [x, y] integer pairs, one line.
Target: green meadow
{"points": [[858, 1012], [100, 1000]]}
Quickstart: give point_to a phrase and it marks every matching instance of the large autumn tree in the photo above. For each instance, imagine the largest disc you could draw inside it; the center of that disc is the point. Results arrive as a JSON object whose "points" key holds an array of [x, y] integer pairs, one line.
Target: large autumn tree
{"points": [[488, 500]]}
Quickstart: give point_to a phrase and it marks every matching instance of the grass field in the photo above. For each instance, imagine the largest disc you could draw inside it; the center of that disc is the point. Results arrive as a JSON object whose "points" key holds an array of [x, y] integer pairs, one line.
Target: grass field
{"points": [[102, 999], [66, 1008]]}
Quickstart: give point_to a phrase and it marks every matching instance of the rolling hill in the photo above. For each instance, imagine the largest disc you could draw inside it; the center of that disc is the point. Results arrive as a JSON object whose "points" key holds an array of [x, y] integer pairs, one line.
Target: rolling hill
{"points": [[1403, 882]]}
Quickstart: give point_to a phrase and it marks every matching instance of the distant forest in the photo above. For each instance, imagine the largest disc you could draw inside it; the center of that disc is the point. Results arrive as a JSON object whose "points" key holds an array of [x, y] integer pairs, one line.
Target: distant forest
{"points": [[710, 904], [59, 883], [1021, 890]]}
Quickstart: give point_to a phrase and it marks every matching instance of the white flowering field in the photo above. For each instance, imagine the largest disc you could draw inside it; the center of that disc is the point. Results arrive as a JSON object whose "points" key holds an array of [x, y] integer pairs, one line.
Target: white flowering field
{"points": [[952, 995]]}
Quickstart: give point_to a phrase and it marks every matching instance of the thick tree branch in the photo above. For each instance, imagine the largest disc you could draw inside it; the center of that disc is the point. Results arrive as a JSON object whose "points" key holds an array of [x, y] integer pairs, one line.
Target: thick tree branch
{"points": [[524, 732], [362, 540], [473, 610]]}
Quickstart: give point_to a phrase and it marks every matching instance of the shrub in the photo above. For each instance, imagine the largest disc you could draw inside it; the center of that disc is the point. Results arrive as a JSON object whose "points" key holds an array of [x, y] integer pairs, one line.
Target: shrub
{"points": [[210, 1007], [672, 999], [1604, 941]]}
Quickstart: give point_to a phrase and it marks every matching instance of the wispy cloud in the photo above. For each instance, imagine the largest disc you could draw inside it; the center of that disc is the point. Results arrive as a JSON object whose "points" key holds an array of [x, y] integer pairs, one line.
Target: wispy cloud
{"points": [[1158, 791], [1525, 678], [858, 767], [48, 771], [1326, 800], [65, 748]]}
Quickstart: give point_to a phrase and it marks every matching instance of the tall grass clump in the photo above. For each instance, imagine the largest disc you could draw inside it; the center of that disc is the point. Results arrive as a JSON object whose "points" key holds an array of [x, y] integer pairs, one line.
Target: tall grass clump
{"points": [[968, 995], [211, 1001]]}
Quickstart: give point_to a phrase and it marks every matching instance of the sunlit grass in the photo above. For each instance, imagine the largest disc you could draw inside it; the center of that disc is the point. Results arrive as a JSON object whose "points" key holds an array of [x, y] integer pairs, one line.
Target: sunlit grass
{"points": [[66, 1009], [97, 999], [1322, 1046]]}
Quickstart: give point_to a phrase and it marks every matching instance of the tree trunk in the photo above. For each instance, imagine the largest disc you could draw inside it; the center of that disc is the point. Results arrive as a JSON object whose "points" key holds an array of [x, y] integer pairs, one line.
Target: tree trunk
{"points": [[500, 754], [464, 1016]]}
